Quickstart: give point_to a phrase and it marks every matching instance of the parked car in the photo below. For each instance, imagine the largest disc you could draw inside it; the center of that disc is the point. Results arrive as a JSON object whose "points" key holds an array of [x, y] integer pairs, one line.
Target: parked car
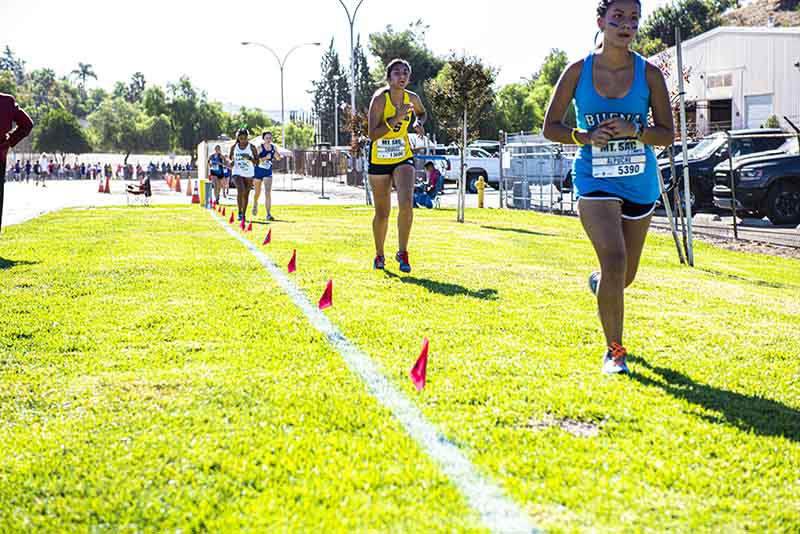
{"points": [[542, 164], [478, 162], [711, 151], [767, 184]]}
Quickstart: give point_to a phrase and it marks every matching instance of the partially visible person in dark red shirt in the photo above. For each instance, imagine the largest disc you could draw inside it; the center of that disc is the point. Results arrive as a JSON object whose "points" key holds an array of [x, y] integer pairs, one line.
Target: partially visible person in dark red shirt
{"points": [[10, 114]]}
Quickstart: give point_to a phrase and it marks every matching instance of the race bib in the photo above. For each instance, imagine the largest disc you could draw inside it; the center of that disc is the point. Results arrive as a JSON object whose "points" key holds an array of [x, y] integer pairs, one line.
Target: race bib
{"points": [[391, 148], [215, 167], [242, 164], [266, 165], [619, 159]]}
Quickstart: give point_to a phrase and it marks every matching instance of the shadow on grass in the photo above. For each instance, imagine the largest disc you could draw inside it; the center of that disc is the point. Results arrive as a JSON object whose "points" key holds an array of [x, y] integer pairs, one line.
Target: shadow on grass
{"points": [[445, 288], [263, 222], [8, 264], [756, 282], [749, 413], [517, 231]]}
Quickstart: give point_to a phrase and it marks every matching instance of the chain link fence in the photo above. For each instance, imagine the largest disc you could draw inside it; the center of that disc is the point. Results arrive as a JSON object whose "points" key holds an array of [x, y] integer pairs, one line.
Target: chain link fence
{"points": [[538, 176]]}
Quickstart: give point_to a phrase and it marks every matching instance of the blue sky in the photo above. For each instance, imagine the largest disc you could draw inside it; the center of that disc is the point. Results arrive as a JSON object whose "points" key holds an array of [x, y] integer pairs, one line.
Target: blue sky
{"points": [[165, 39]]}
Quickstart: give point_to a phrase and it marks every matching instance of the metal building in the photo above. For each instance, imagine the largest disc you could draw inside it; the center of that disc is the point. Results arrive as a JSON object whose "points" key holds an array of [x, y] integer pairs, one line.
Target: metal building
{"points": [[738, 77]]}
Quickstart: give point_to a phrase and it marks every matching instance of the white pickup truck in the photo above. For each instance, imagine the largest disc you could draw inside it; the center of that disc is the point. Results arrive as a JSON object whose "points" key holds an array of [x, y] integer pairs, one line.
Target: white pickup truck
{"points": [[478, 163]]}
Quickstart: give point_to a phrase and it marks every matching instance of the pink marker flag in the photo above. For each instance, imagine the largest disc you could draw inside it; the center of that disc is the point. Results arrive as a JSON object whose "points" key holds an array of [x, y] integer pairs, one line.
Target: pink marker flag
{"points": [[268, 239], [241, 225], [326, 301], [417, 373], [250, 227], [212, 203], [292, 267]]}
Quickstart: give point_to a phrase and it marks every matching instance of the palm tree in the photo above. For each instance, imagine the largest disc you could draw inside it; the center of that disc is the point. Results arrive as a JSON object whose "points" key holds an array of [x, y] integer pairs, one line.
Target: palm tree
{"points": [[83, 72]]}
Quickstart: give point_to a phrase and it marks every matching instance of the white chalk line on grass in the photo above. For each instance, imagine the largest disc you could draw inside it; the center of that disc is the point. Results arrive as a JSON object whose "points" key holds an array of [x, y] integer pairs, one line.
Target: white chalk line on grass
{"points": [[499, 513]]}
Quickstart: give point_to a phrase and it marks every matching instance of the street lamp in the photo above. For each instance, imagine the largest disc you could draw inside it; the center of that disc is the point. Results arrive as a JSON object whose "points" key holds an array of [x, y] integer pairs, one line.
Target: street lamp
{"points": [[352, 20], [281, 64]]}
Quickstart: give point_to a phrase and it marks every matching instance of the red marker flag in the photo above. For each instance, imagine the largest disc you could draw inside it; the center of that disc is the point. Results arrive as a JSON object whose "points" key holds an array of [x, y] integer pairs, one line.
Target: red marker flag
{"points": [[223, 211], [292, 267], [241, 225], [212, 203], [326, 301], [250, 227], [231, 220], [268, 239], [417, 373]]}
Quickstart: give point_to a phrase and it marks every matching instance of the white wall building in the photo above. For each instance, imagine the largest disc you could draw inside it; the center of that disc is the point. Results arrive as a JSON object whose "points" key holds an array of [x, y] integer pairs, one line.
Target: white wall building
{"points": [[739, 77]]}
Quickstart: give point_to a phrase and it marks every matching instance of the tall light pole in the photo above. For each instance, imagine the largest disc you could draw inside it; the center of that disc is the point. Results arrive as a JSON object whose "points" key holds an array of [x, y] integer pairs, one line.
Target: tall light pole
{"points": [[352, 20], [281, 64]]}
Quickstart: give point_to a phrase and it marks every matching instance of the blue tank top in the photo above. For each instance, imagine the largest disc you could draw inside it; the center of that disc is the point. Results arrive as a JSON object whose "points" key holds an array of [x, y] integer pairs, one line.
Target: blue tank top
{"points": [[266, 164], [626, 167], [216, 163]]}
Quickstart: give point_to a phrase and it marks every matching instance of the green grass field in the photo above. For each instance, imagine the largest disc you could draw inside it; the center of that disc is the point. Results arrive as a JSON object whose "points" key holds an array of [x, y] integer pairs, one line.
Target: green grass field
{"points": [[154, 378]]}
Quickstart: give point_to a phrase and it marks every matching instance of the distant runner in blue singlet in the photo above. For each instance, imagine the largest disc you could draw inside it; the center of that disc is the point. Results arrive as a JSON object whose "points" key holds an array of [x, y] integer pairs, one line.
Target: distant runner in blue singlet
{"points": [[216, 167], [267, 155], [622, 108]]}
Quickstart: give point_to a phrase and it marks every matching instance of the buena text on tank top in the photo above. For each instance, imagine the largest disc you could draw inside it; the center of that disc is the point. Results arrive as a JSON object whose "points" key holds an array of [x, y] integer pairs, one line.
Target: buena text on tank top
{"points": [[394, 147], [241, 165], [626, 167]]}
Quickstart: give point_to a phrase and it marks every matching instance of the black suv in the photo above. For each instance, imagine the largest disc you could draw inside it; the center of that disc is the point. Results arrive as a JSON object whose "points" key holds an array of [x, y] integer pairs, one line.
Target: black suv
{"points": [[711, 151], [766, 184]]}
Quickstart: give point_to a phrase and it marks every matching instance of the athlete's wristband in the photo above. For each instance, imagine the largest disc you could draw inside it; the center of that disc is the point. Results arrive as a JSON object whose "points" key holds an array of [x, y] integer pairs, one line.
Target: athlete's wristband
{"points": [[575, 139]]}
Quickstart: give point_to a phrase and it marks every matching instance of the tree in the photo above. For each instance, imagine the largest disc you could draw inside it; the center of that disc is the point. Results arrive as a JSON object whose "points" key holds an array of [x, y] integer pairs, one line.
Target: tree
{"points": [[59, 132], [210, 121], [8, 84], [332, 76], [693, 17], [299, 135], [254, 120], [515, 113], [365, 85], [136, 88], [154, 101], [183, 101], [11, 63], [464, 84], [120, 125], [42, 82], [82, 73]]}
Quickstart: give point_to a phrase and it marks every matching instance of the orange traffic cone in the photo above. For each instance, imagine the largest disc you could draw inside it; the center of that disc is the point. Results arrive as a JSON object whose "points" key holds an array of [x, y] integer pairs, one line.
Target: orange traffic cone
{"points": [[100, 188], [168, 177], [189, 189], [177, 184], [195, 195], [108, 185]]}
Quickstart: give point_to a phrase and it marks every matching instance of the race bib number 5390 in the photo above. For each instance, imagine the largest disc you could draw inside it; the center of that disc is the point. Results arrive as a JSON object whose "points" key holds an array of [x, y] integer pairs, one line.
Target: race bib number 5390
{"points": [[620, 158]]}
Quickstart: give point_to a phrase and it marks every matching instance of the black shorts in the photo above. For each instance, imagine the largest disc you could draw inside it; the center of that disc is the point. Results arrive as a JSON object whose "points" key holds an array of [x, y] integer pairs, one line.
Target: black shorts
{"points": [[219, 174], [631, 211], [376, 168]]}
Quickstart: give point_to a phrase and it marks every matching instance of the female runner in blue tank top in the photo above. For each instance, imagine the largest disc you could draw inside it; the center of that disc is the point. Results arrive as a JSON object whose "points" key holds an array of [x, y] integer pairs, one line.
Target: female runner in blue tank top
{"points": [[268, 154], [615, 174]]}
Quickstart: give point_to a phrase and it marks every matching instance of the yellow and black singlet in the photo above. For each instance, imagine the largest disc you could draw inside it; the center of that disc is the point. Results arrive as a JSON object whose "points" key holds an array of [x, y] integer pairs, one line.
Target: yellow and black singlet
{"points": [[394, 147]]}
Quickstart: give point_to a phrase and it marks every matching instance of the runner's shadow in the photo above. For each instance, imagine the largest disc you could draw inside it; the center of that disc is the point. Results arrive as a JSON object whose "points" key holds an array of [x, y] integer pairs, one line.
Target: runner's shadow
{"points": [[445, 288], [762, 283], [746, 412], [517, 231], [8, 264], [267, 223]]}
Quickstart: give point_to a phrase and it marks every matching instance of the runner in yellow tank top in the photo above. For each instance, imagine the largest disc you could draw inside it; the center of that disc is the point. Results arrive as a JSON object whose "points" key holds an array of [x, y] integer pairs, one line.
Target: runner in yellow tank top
{"points": [[391, 159]]}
